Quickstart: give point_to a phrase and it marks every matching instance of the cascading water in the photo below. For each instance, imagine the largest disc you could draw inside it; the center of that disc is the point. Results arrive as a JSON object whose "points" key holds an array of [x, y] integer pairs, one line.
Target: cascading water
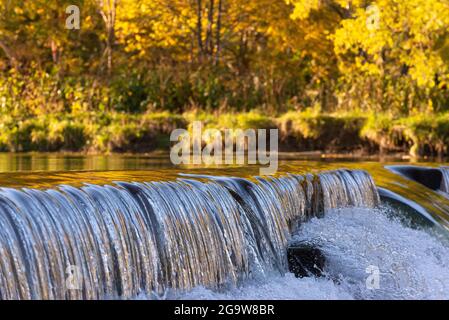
{"points": [[445, 181], [134, 238]]}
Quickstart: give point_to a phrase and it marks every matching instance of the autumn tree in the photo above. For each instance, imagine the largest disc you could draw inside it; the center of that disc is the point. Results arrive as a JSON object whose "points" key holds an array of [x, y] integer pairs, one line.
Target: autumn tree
{"points": [[391, 54]]}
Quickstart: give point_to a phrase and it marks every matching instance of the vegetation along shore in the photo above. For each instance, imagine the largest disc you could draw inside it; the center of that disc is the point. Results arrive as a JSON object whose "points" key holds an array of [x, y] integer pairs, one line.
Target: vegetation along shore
{"points": [[118, 76]]}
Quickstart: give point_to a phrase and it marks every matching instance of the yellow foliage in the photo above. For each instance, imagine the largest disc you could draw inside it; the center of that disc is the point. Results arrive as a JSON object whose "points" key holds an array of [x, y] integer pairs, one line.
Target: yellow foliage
{"points": [[381, 36]]}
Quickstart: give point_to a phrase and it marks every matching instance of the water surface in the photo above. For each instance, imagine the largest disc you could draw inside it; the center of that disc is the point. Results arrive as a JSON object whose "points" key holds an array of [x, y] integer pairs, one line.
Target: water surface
{"points": [[137, 226]]}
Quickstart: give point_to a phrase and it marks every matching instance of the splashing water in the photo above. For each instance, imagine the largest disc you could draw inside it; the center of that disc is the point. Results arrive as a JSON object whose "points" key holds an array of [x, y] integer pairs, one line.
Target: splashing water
{"points": [[412, 263], [134, 238]]}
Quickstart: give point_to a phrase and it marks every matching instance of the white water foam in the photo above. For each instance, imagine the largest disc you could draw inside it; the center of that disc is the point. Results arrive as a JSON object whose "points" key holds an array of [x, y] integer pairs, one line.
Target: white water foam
{"points": [[413, 264]]}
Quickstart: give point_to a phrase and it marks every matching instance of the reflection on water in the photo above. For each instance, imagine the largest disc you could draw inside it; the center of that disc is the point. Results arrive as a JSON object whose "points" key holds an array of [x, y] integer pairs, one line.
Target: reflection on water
{"points": [[46, 170], [12, 162], [39, 170]]}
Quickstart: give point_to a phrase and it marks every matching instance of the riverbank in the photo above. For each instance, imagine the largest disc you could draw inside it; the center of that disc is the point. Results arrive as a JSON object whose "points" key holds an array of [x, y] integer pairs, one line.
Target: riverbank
{"points": [[357, 134]]}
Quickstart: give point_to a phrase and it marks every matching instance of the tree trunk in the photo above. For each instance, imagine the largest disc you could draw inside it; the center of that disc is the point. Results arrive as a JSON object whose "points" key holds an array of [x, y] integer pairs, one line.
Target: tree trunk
{"points": [[210, 17], [9, 54], [54, 51], [199, 30], [218, 36], [109, 14]]}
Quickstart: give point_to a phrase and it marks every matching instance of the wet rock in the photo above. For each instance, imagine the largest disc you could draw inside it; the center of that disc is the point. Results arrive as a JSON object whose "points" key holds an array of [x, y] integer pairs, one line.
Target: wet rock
{"points": [[305, 260]]}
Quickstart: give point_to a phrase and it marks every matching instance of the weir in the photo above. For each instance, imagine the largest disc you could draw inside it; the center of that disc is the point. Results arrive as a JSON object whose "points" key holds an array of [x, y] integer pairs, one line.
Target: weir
{"points": [[432, 178], [132, 238]]}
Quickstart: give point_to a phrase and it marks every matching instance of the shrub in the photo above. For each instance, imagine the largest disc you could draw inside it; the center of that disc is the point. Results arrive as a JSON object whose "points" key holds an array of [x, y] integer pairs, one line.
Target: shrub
{"points": [[429, 133], [383, 131], [23, 135], [67, 135], [314, 131]]}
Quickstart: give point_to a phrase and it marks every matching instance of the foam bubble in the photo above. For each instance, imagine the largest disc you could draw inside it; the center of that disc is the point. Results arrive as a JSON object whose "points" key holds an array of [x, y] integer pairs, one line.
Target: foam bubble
{"points": [[412, 264]]}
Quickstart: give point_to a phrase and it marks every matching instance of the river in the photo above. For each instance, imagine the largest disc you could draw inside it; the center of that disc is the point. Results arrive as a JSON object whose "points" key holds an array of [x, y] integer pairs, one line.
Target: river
{"points": [[125, 226]]}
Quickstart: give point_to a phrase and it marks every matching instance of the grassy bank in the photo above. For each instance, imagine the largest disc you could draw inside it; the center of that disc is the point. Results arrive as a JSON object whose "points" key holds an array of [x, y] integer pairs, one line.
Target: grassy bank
{"points": [[419, 135]]}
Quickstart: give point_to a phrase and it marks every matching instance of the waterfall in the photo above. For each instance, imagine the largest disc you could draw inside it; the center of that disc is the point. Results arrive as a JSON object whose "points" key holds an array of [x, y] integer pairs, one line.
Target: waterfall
{"points": [[445, 181], [132, 238]]}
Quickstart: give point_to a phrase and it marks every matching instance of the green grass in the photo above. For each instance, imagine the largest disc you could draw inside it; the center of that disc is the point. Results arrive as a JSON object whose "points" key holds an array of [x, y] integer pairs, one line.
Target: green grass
{"points": [[419, 134]]}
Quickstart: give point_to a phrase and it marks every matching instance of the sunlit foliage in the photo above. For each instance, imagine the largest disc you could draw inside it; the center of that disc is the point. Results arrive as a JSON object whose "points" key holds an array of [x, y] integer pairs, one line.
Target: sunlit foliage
{"points": [[388, 44], [136, 57]]}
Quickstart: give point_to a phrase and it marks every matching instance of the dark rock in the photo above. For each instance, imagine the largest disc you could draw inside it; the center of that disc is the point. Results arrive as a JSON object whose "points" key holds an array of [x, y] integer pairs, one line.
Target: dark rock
{"points": [[305, 260]]}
